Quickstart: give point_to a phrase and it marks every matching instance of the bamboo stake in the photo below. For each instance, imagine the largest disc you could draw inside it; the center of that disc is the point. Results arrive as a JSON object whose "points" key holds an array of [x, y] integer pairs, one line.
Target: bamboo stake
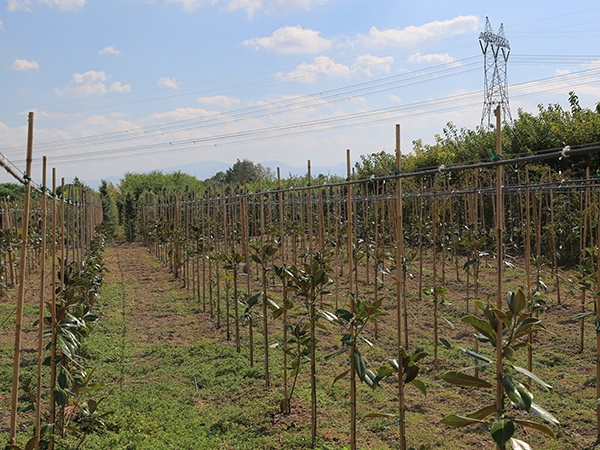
{"points": [[312, 316], [528, 262], [598, 334], [499, 255], [38, 400], [286, 399], [399, 259], [225, 250], [21, 292], [352, 300], [261, 200], [52, 412]]}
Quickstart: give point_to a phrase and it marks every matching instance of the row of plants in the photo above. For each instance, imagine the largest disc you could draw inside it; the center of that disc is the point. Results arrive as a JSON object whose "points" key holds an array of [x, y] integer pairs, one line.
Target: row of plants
{"points": [[40, 232], [290, 245]]}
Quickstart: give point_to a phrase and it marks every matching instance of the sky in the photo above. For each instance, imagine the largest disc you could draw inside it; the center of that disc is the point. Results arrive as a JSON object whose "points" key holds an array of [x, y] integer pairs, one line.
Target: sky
{"points": [[121, 86]]}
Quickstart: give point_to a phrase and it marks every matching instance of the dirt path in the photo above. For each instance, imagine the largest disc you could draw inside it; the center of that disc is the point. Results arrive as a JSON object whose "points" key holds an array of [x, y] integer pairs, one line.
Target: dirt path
{"points": [[148, 286]]}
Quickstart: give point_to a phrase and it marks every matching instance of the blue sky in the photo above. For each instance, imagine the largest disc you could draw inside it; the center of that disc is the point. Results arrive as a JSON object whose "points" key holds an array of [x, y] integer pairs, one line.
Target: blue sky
{"points": [[133, 85]]}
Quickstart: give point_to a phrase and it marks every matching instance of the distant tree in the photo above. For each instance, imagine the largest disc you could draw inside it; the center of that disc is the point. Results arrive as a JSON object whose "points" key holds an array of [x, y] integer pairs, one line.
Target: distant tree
{"points": [[109, 207], [375, 164], [135, 185], [13, 190], [241, 171]]}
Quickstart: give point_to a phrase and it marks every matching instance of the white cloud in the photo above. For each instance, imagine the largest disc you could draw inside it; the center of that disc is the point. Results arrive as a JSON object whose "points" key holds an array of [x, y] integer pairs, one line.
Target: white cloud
{"points": [[191, 5], [118, 87], [19, 5], [273, 7], [291, 40], [436, 58], [180, 114], [366, 63], [168, 82], [22, 65], [91, 83], [2, 26], [27, 5], [219, 100], [250, 7], [110, 50], [413, 35], [323, 65]]}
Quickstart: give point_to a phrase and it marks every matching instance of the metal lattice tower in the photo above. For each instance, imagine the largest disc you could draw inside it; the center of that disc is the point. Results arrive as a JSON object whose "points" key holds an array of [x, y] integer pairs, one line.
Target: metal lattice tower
{"points": [[495, 48]]}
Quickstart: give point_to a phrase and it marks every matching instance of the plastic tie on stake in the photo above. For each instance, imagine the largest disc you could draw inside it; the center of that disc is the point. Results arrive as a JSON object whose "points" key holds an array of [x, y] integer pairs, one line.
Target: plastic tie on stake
{"points": [[441, 168], [495, 157], [565, 151]]}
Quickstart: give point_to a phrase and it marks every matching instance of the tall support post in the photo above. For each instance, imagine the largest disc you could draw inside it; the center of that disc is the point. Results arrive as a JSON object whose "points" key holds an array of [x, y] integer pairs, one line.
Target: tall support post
{"points": [[176, 260], [399, 263], [312, 316], [40, 347], [21, 292], [52, 408], [352, 300], [597, 333], [286, 396], [499, 261], [261, 200]]}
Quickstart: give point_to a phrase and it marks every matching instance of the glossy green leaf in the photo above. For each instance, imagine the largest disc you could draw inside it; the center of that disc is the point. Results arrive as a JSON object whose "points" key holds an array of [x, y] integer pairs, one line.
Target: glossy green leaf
{"points": [[476, 356], [517, 302], [420, 386], [457, 421], [360, 365], [340, 376], [484, 412], [533, 377], [445, 343], [462, 379], [544, 414], [518, 444], [483, 326], [502, 430], [536, 426], [519, 395]]}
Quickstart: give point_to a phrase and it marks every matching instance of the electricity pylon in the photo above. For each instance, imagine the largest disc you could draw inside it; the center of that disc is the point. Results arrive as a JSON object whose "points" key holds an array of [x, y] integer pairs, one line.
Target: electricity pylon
{"points": [[495, 48]]}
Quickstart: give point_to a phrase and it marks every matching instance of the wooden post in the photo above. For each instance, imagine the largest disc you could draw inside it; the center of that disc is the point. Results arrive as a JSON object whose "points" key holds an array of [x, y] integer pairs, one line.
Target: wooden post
{"points": [[500, 257], [399, 261], [528, 264], [352, 300], [598, 334], [52, 409], [286, 399], [21, 292], [42, 224]]}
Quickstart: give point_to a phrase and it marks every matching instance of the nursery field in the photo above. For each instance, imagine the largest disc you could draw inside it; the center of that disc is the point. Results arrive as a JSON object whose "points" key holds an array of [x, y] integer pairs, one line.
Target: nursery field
{"points": [[173, 380], [451, 308]]}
